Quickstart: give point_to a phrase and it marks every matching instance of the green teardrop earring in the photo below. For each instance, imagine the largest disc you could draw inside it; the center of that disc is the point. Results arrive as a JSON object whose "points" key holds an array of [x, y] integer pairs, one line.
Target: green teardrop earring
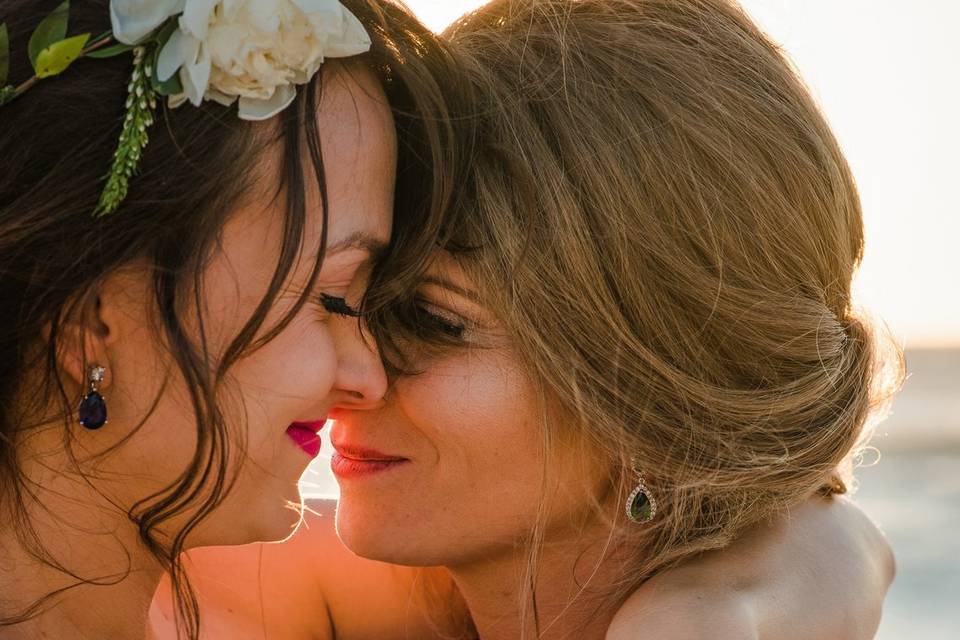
{"points": [[641, 505]]}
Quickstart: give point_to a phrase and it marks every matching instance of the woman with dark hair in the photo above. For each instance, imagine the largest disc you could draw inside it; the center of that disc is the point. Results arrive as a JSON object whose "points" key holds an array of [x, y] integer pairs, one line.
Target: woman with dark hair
{"points": [[181, 317], [632, 379]]}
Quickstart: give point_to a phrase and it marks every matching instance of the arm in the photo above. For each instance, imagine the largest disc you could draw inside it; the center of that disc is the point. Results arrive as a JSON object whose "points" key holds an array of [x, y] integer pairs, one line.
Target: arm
{"points": [[821, 571]]}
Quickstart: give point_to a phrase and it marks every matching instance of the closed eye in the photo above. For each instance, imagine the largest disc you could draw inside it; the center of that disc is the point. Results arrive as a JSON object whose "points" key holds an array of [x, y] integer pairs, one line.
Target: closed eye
{"points": [[441, 323], [338, 306]]}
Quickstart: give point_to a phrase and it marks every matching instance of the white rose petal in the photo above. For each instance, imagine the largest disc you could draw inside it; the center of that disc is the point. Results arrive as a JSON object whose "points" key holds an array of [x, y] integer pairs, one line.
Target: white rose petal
{"points": [[263, 15], [172, 56], [351, 40], [195, 73], [133, 20], [256, 50], [345, 34], [220, 98], [196, 17], [257, 109], [175, 101]]}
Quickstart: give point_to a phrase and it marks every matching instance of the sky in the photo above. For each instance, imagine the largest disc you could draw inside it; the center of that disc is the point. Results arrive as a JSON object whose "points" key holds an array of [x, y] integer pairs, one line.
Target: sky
{"points": [[887, 75]]}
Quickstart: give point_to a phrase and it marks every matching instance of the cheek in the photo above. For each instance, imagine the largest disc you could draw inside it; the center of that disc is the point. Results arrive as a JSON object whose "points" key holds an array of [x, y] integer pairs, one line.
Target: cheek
{"points": [[476, 413], [483, 461], [288, 379]]}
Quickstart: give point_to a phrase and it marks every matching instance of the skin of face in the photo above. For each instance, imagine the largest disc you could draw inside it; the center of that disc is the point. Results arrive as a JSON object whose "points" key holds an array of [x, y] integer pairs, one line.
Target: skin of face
{"points": [[471, 488], [318, 362]]}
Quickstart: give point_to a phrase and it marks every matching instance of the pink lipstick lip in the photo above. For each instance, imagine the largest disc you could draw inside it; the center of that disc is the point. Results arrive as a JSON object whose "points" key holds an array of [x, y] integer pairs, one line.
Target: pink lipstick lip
{"points": [[306, 435], [314, 425]]}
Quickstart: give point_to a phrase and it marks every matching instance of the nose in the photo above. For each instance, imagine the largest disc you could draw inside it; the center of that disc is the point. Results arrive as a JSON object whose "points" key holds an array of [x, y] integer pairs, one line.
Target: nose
{"points": [[361, 381]]}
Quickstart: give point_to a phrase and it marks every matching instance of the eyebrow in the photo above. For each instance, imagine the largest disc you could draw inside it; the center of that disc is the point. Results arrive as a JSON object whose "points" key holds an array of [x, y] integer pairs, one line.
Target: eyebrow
{"points": [[360, 240], [469, 294]]}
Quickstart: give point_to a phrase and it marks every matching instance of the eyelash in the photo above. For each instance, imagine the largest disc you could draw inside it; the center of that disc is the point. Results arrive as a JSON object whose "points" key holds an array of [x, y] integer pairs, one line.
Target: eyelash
{"points": [[338, 306], [443, 324]]}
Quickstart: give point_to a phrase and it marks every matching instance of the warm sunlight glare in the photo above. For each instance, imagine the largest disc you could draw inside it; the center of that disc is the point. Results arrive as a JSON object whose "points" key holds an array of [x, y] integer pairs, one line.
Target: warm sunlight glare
{"points": [[437, 14]]}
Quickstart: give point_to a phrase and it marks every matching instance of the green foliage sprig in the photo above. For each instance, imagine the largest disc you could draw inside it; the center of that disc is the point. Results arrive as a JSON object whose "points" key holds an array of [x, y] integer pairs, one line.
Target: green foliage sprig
{"points": [[51, 52], [141, 106], [6, 92]]}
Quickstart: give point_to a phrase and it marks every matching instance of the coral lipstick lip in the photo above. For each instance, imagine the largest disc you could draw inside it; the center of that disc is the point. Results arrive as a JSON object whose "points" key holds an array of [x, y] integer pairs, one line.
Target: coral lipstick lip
{"points": [[357, 462], [306, 435]]}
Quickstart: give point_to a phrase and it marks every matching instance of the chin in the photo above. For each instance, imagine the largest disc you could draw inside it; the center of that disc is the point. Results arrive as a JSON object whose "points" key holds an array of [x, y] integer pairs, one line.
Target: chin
{"points": [[280, 516], [281, 523], [369, 534], [242, 520]]}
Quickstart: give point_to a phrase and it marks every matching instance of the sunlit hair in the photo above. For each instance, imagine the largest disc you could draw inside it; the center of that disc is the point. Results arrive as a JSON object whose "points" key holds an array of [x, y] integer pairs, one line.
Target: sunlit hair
{"points": [[661, 216], [56, 143]]}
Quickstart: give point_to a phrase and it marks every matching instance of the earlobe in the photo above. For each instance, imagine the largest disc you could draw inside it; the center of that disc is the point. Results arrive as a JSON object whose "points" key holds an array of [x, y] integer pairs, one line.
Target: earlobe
{"points": [[81, 345], [82, 339]]}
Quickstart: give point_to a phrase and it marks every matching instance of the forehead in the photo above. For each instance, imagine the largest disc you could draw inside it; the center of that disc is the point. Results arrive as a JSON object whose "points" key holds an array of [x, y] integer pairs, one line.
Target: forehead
{"points": [[359, 147], [358, 142]]}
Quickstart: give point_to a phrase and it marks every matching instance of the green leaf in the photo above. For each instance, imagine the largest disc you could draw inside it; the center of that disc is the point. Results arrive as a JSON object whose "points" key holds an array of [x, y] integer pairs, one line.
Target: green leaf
{"points": [[60, 55], [172, 86], [52, 29], [109, 52], [163, 33], [106, 34], [7, 94], [4, 53]]}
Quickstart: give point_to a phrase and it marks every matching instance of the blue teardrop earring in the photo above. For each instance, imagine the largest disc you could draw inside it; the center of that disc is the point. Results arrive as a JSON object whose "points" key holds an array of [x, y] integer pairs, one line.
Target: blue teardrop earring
{"points": [[93, 407], [641, 505]]}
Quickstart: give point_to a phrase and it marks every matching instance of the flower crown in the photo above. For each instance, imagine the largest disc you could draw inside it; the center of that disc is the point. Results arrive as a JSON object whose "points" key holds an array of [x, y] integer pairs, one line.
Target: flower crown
{"points": [[252, 52]]}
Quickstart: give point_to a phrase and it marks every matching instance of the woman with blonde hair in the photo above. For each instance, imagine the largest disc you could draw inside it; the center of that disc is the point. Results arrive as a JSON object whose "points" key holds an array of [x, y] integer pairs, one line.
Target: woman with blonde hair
{"points": [[636, 347]]}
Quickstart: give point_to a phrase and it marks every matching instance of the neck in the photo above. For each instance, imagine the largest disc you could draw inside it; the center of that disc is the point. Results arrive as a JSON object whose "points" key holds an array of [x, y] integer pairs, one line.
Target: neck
{"points": [[573, 594], [101, 577]]}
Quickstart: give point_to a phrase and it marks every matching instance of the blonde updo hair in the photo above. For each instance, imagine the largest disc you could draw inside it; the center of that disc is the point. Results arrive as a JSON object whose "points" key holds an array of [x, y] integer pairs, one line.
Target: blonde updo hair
{"points": [[661, 216]]}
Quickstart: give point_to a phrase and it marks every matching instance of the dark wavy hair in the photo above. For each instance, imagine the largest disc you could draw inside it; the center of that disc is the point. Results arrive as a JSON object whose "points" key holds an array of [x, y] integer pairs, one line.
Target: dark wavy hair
{"points": [[56, 143]]}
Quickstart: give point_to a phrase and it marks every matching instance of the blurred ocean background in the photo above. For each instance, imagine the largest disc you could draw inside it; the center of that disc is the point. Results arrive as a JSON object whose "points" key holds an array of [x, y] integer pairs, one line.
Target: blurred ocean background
{"points": [[911, 487]]}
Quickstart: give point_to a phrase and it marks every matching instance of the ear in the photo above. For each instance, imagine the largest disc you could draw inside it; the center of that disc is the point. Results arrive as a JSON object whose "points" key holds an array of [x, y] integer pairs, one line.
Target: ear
{"points": [[84, 336]]}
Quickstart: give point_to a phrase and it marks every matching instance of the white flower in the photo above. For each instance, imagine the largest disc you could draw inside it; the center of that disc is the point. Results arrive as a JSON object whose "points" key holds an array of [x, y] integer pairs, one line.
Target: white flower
{"points": [[256, 50], [133, 20]]}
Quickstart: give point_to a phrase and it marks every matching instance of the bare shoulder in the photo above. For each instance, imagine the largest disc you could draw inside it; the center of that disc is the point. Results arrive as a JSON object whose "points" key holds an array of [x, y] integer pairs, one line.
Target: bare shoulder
{"points": [[824, 555], [671, 608]]}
